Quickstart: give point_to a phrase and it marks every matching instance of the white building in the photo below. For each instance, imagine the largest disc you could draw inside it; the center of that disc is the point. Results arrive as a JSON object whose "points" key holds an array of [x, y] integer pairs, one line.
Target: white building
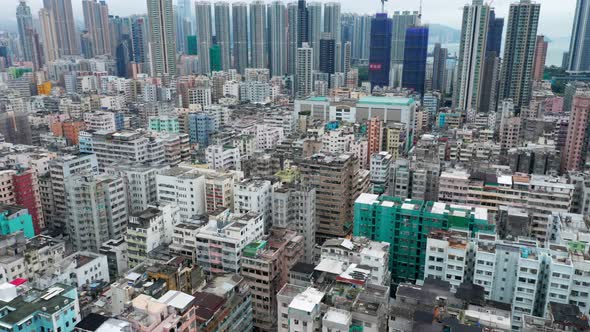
{"points": [[184, 187], [149, 229], [305, 311], [304, 71], [223, 157], [254, 196], [221, 241], [266, 137], [134, 146], [255, 92], [79, 269], [231, 89], [447, 255], [380, 165], [100, 121]]}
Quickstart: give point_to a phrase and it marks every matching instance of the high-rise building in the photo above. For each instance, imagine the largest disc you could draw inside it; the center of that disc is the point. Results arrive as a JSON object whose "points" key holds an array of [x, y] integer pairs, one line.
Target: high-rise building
{"points": [[579, 53], [302, 21], [258, 32], [15, 127], [361, 37], [414, 70], [374, 137], [401, 22], [304, 71], [292, 12], [314, 30], [48, 35], [183, 29], [380, 54], [407, 224], [96, 19], [65, 27], [338, 181], [222, 32], [140, 40], [576, 145], [277, 21], [162, 43], [491, 73], [26, 33], [474, 34], [96, 210], [516, 80], [332, 20], [439, 67], [327, 54], [240, 35], [495, 29], [540, 58], [204, 35]]}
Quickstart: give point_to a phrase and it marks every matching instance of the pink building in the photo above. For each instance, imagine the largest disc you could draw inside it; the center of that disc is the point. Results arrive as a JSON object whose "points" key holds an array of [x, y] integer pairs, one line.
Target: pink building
{"points": [[540, 57], [553, 105], [574, 150], [174, 311], [375, 135]]}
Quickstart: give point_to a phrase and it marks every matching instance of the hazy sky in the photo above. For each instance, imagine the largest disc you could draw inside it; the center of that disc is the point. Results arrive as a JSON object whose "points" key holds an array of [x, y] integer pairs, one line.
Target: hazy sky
{"points": [[556, 15]]}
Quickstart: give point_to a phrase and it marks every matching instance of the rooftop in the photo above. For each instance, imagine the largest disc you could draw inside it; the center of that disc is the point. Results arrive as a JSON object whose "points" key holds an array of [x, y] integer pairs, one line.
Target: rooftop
{"points": [[386, 101], [307, 300]]}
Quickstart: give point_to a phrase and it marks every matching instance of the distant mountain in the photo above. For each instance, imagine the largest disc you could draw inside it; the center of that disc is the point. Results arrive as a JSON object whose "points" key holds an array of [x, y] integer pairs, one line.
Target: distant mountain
{"points": [[443, 34]]}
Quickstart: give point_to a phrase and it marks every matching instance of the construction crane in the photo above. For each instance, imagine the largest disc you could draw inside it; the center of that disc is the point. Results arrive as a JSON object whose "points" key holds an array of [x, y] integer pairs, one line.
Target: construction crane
{"points": [[383, 5]]}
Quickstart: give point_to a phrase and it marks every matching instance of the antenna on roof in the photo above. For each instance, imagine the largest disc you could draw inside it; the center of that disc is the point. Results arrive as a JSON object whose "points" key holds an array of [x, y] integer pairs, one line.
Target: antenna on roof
{"points": [[420, 12], [383, 6]]}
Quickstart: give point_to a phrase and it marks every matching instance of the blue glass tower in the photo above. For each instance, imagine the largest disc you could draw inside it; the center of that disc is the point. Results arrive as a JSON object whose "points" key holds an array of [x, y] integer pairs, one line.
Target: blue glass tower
{"points": [[380, 50], [495, 29], [415, 54]]}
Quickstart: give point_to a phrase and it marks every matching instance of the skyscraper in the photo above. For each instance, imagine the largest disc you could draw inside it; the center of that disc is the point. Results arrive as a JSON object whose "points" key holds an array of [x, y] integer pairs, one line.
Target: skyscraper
{"points": [[162, 44], [24, 19], [519, 52], [204, 35], [96, 18], [540, 57], [439, 67], [258, 46], [495, 29], [361, 37], [277, 16], [314, 30], [332, 20], [64, 25], [240, 34], [222, 32], [304, 77], [416, 52], [579, 54], [292, 12], [302, 20], [490, 87], [474, 33], [183, 29], [327, 53], [401, 22], [380, 55], [48, 35], [139, 36]]}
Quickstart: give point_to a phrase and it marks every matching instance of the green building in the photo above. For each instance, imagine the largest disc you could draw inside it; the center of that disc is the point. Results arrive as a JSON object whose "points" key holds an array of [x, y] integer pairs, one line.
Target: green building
{"points": [[405, 224], [14, 218], [191, 42], [164, 123], [215, 56]]}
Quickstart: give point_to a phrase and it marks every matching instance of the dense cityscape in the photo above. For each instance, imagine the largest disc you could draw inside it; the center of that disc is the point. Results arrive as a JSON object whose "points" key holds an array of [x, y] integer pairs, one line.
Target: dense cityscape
{"points": [[289, 166]]}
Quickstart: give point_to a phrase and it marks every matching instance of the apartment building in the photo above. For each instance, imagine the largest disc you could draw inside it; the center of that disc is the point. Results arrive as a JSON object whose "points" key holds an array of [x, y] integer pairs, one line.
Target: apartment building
{"points": [[338, 181], [148, 230], [540, 194], [265, 265], [380, 165], [293, 207], [184, 187], [96, 210], [405, 225], [221, 242], [255, 196], [224, 157]]}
